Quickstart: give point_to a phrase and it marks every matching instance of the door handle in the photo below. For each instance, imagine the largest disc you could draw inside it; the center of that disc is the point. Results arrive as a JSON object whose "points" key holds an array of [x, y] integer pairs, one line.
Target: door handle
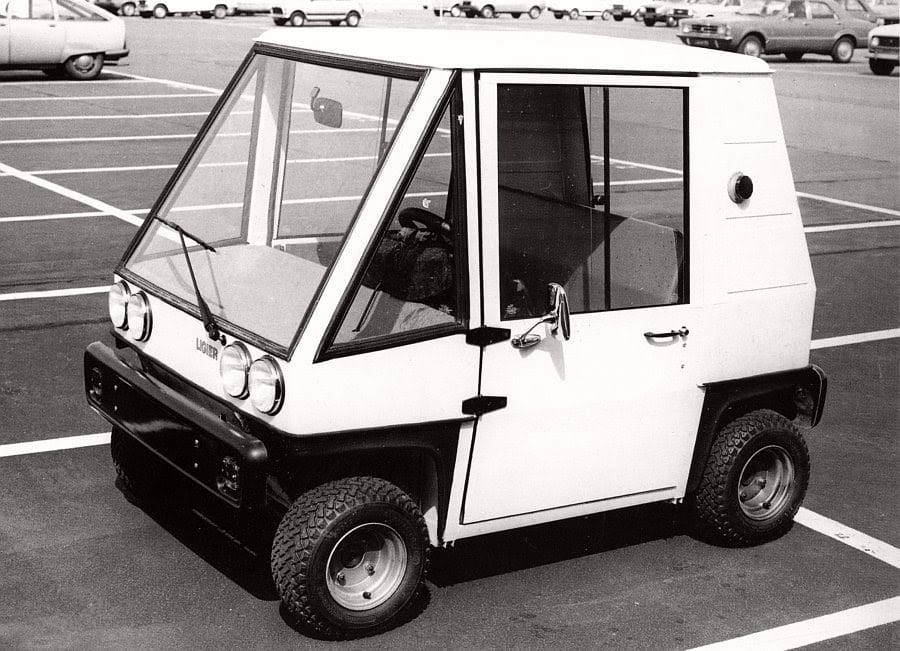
{"points": [[681, 332]]}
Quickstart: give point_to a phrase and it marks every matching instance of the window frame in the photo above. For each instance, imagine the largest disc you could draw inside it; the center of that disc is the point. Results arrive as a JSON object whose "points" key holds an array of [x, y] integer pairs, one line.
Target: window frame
{"points": [[451, 99], [606, 81]]}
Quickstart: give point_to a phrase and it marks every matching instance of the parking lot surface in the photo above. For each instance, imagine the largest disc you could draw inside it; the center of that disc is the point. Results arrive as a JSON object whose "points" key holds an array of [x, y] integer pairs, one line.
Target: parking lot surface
{"points": [[80, 167]]}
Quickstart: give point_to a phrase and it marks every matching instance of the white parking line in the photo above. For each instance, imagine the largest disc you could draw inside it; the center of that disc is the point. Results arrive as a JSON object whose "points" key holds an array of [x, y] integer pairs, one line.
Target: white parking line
{"points": [[65, 215], [102, 97], [120, 116], [61, 82], [849, 204], [53, 293], [52, 445], [814, 630], [848, 227], [856, 539], [96, 204], [849, 340]]}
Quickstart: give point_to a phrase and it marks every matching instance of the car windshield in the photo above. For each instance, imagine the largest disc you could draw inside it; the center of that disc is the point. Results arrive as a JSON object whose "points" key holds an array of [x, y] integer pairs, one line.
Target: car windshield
{"points": [[273, 187]]}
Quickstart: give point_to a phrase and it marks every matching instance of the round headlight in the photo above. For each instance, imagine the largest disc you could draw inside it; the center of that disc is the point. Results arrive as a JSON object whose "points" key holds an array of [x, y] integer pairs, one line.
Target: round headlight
{"points": [[234, 364], [139, 320], [266, 385], [874, 41], [118, 304]]}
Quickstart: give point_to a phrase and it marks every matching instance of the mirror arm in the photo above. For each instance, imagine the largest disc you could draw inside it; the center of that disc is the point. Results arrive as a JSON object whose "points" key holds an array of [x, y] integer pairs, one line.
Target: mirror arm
{"points": [[526, 339]]}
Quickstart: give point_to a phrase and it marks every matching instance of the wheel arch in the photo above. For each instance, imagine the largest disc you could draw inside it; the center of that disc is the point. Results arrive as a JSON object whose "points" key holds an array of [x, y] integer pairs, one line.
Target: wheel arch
{"points": [[756, 34], [798, 395], [848, 35], [418, 459]]}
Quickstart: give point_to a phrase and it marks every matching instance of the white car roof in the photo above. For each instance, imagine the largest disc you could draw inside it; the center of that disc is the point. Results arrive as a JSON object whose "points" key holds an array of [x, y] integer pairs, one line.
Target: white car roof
{"points": [[512, 50]]}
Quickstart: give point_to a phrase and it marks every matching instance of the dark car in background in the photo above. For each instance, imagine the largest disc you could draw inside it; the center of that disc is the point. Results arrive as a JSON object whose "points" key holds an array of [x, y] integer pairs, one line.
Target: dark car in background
{"points": [[791, 28]]}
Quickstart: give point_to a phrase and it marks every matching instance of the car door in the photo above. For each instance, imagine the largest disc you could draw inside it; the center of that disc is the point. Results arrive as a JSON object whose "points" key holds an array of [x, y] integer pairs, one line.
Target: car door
{"points": [[579, 189], [35, 36], [824, 23]]}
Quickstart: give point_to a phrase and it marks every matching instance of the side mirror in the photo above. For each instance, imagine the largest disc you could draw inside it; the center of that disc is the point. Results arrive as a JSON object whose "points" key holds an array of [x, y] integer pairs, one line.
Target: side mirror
{"points": [[557, 317], [328, 112]]}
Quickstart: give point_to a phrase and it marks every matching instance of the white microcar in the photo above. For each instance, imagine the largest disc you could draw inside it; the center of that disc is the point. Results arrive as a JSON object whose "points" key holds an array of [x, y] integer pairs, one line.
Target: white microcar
{"points": [[408, 287]]}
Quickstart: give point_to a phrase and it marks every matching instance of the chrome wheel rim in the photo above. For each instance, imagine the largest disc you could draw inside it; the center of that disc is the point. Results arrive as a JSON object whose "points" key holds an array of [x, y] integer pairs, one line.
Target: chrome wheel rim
{"points": [[844, 50], [83, 63], [752, 48], [766, 483], [366, 566]]}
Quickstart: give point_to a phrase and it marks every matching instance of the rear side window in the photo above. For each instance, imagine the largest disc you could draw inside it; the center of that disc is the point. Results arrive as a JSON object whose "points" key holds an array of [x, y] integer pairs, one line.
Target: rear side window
{"points": [[592, 196]]}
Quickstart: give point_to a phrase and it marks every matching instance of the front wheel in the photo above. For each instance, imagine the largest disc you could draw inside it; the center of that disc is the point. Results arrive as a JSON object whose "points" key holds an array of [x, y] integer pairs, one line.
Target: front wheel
{"points": [[842, 52], [573, 14], [751, 46], [297, 19], [671, 22], [455, 11], [487, 11], [220, 12], [349, 556], [84, 66], [352, 19], [606, 15], [754, 480], [534, 12], [160, 11], [881, 67], [128, 9]]}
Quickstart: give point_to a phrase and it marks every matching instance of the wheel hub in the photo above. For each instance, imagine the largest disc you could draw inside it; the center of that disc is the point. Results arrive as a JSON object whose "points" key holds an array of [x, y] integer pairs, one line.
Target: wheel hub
{"points": [[366, 566], [766, 483], [84, 63]]}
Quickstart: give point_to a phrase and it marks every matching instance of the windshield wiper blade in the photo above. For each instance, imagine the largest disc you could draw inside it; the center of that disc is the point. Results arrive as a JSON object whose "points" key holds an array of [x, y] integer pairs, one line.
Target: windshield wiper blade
{"points": [[209, 323]]}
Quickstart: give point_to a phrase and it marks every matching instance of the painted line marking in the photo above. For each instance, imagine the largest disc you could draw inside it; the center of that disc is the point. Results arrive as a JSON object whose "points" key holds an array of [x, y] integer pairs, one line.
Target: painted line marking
{"points": [[53, 293], [120, 116], [816, 629], [169, 82], [67, 215], [854, 226], [53, 445], [849, 340], [96, 204], [88, 98], [849, 204], [867, 544], [60, 82]]}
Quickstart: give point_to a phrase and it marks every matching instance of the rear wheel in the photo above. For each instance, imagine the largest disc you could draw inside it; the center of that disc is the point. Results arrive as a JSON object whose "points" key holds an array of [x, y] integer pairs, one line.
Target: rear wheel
{"points": [[352, 19], [751, 46], [128, 9], [618, 18], [573, 14], [754, 480], [160, 11], [881, 67], [671, 22], [487, 11], [297, 19], [84, 66], [516, 14], [280, 21], [534, 12], [220, 12], [606, 15], [455, 11], [842, 52], [349, 556]]}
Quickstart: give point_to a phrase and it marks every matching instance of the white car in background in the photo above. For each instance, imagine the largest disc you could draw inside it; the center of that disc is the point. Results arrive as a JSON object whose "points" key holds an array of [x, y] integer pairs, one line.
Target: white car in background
{"points": [[163, 8], [299, 12], [493, 8], [884, 49], [445, 8], [590, 9], [70, 37]]}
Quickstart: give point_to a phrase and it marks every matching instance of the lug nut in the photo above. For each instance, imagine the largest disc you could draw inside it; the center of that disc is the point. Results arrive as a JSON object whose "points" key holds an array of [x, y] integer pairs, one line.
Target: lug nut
{"points": [[767, 505], [370, 568], [340, 578], [743, 496], [761, 482], [367, 595]]}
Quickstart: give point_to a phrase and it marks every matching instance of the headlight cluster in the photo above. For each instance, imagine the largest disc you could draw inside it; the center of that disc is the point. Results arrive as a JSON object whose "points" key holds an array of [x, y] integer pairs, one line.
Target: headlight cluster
{"points": [[723, 30], [130, 311], [261, 380], [874, 41]]}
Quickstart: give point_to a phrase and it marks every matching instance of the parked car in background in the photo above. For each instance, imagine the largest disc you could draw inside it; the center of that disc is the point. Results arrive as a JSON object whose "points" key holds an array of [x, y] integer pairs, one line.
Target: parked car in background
{"points": [[299, 12], [622, 9], [250, 7], [590, 9], [887, 12], [864, 9], [884, 49], [446, 8], [163, 8], [492, 8], [70, 37], [791, 28], [671, 12], [121, 7]]}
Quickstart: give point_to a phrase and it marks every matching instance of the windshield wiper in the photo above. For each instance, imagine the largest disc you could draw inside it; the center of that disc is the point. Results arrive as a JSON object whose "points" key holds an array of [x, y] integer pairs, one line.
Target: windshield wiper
{"points": [[206, 315]]}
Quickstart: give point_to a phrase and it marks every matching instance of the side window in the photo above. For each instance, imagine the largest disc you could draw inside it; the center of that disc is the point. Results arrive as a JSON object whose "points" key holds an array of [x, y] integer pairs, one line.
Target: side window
{"points": [[591, 196], [70, 11], [19, 9], [820, 10], [411, 282], [41, 10], [855, 6]]}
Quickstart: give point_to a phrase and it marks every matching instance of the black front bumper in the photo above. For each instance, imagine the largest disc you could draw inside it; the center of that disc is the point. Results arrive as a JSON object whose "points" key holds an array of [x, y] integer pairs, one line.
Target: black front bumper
{"points": [[191, 439]]}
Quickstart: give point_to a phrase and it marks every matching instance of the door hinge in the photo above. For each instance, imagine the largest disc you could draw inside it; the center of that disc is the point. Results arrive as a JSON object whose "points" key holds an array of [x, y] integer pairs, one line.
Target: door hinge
{"points": [[483, 404], [486, 335]]}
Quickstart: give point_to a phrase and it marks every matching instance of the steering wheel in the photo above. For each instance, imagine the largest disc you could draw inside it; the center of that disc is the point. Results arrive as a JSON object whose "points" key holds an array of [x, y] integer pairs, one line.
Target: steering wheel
{"points": [[413, 217]]}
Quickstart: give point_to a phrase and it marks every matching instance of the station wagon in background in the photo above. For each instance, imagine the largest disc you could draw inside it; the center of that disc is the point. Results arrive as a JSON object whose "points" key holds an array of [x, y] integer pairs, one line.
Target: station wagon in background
{"points": [[493, 8], [163, 8], [789, 27], [300, 12], [884, 49], [69, 37], [413, 286]]}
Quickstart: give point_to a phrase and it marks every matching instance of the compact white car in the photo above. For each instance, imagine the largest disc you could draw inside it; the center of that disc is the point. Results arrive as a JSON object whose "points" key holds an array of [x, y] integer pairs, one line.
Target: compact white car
{"points": [[413, 286], [70, 37], [884, 49], [493, 8], [299, 12], [445, 8], [590, 9], [163, 8]]}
